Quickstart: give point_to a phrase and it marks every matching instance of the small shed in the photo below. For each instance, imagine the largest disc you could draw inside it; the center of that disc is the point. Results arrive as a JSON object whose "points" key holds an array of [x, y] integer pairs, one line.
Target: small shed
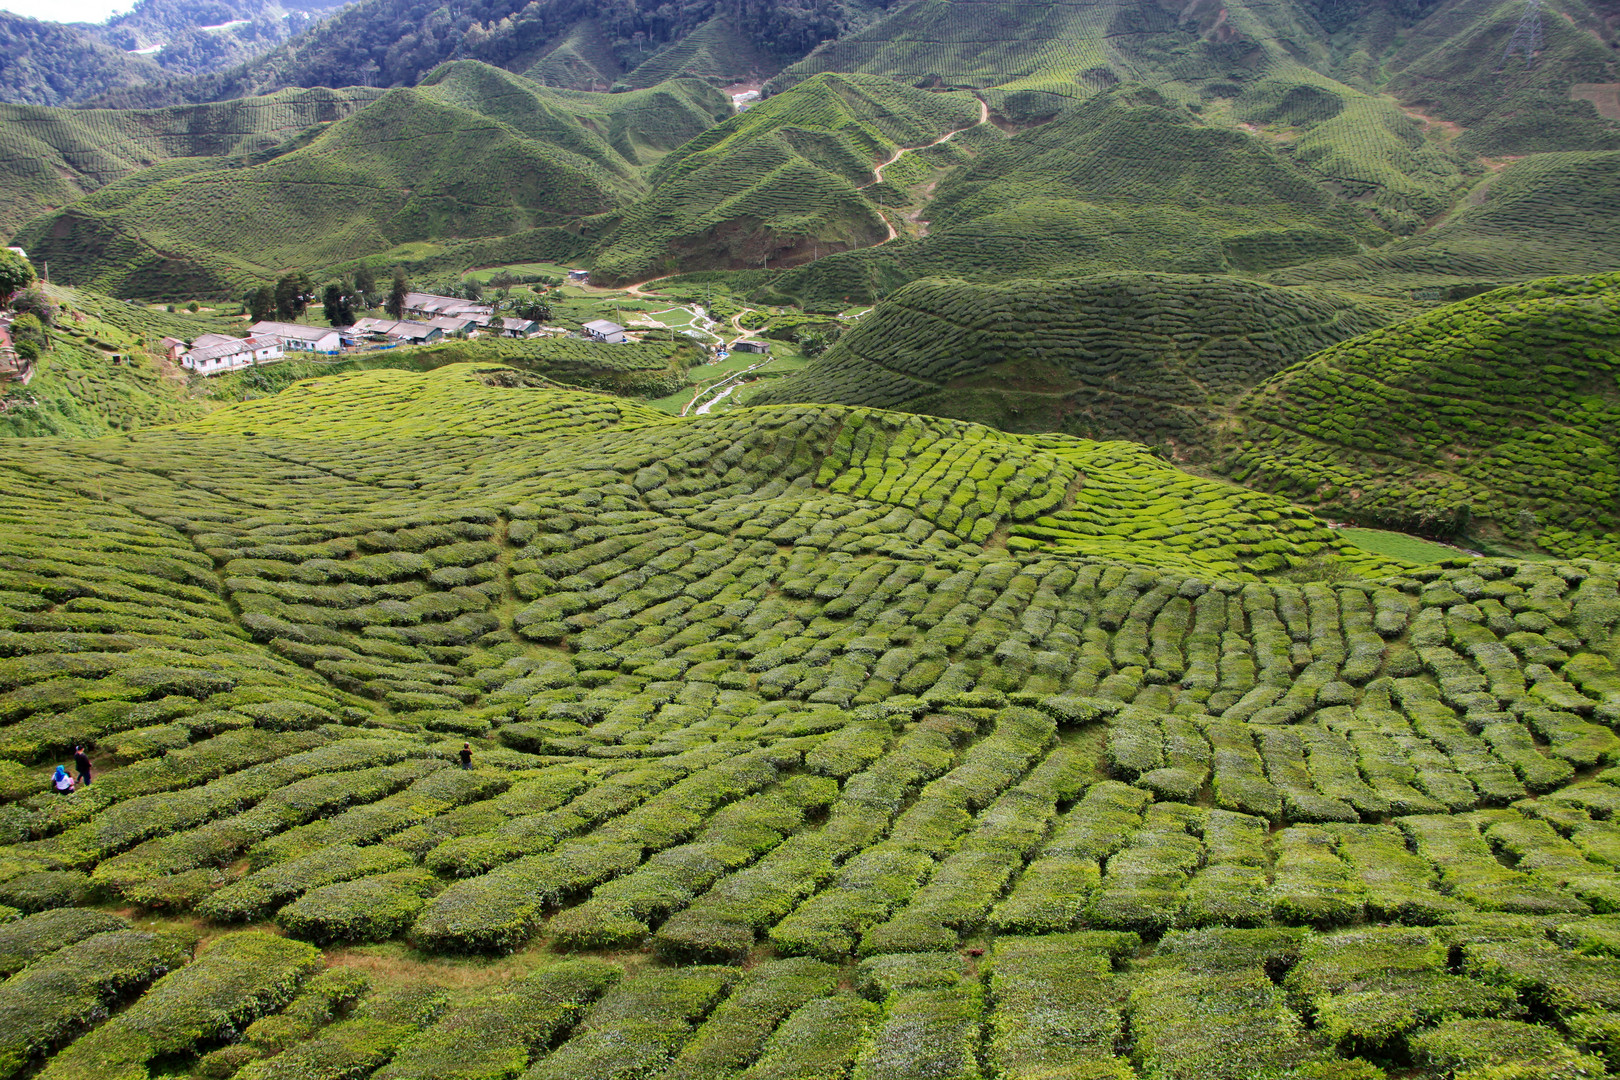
{"points": [[297, 337], [751, 347], [602, 330]]}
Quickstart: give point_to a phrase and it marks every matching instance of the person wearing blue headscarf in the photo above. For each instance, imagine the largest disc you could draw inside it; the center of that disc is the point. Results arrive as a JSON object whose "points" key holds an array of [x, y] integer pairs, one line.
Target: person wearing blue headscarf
{"points": [[62, 782]]}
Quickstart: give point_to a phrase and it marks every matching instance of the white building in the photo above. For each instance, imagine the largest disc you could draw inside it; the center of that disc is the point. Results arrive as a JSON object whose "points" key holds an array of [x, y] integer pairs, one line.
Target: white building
{"points": [[511, 326], [455, 324], [430, 305], [296, 337], [602, 330], [232, 354], [412, 333]]}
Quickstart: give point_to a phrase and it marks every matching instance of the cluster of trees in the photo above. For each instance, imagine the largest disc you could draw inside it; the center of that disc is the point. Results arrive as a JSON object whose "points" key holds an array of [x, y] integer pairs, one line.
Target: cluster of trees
{"points": [[286, 300], [30, 330], [46, 63], [343, 300], [396, 42], [53, 63], [813, 343]]}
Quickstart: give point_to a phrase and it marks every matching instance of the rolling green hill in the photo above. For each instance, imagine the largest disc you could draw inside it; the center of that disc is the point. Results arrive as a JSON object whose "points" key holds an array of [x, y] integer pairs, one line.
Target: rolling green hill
{"points": [[1126, 180], [1145, 357], [1547, 214], [1498, 416], [719, 50], [579, 59], [474, 152], [1452, 64], [780, 181], [1032, 57], [805, 741], [49, 157]]}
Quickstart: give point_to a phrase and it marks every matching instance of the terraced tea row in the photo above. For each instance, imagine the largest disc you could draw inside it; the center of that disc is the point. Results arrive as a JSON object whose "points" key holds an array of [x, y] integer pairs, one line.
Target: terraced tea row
{"points": [[779, 181], [1144, 357], [1496, 414], [360, 187], [762, 707]]}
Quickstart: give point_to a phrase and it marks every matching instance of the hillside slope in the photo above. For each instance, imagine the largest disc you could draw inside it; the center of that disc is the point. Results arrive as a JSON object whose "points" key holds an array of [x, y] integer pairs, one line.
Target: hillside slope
{"points": [[153, 42], [1126, 180], [787, 730], [49, 157], [1134, 356], [1498, 416], [780, 181], [393, 43], [474, 152], [1548, 214], [1033, 57]]}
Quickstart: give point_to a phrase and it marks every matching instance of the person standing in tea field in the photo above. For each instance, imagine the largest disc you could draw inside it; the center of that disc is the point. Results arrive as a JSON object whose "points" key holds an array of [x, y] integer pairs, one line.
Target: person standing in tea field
{"points": [[81, 765], [466, 755]]}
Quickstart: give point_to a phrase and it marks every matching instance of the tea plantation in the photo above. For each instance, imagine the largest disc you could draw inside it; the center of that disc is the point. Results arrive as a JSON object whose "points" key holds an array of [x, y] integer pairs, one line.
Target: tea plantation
{"points": [[1145, 357], [807, 741], [782, 176], [1496, 416], [418, 163], [50, 156]]}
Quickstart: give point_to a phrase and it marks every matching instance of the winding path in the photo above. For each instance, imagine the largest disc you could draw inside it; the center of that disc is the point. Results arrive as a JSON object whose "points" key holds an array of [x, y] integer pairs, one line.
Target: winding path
{"points": [[877, 172]]}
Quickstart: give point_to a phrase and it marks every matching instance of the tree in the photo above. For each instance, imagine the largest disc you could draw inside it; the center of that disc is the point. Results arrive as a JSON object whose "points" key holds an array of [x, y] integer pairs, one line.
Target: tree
{"points": [[396, 296], [535, 310], [337, 304], [16, 273], [33, 301], [293, 294], [28, 335], [365, 286], [496, 325], [261, 303], [812, 345], [474, 289]]}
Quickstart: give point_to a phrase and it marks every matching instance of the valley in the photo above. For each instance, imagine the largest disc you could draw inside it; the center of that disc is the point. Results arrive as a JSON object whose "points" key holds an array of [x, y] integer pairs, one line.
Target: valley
{"points": [[842, 540]]}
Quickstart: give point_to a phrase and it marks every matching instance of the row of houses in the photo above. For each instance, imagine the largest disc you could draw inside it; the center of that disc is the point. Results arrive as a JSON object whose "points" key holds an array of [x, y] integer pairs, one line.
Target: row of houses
{"points": [[267, 342], [431, 306], [408, 332]]}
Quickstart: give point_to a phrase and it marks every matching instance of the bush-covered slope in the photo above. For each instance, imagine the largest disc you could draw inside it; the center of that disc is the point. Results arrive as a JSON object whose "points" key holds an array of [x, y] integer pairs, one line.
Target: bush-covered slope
{"points": [[720, 50], [1127, 180], [779, 181], [1547, 214], [1032, 57], [1452, 64], [101, 374], [1134, 356], [1498, 416], [49, 157], [581, 58], [473, 153], [809, 732]]}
